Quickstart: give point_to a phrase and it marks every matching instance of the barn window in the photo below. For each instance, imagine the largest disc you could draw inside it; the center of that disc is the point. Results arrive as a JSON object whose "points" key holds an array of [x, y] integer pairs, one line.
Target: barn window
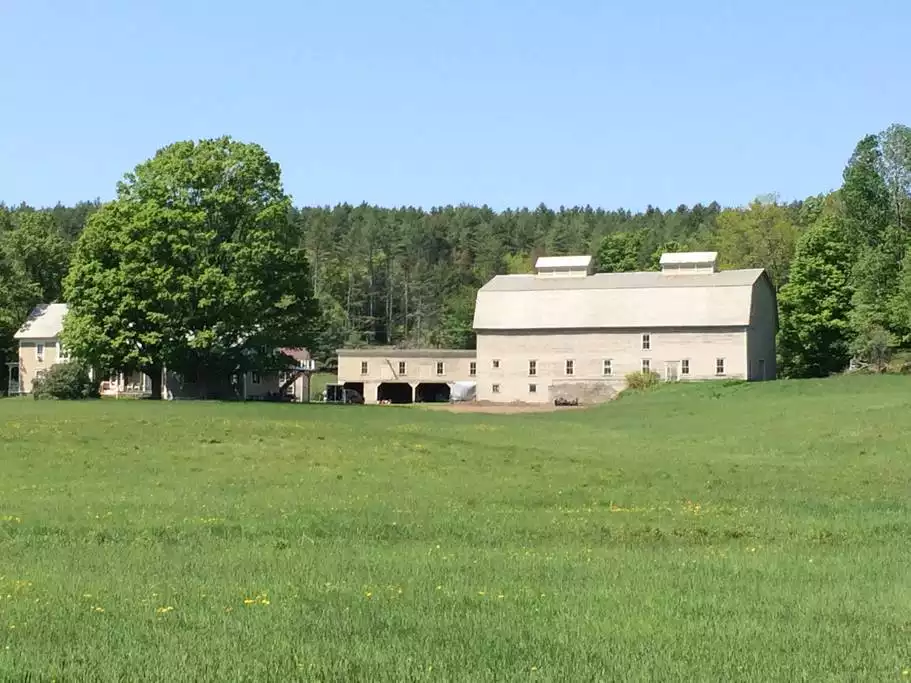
{"points": [[719, 366], [608, 368], [473, 368], [403, 368], [441, 368], [495, 388], [570, 367], [532, 388], [39, 352], [496, 364], [532, 368], [646, 365], [363, 367], [685, 367], [646, 342]]}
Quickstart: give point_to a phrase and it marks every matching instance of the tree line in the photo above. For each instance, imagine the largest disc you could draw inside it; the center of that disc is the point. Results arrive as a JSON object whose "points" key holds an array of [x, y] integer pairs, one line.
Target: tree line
{"points": [[212, 217]]}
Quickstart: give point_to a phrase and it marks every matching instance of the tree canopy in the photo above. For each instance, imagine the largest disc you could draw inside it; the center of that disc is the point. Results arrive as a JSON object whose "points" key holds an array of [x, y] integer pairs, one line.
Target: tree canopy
{"points": [[196, 267]]}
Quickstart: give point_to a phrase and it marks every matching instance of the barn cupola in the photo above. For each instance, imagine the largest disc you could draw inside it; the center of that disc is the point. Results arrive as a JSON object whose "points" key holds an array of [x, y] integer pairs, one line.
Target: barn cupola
{"points": [[692, 262], [563, 266]]}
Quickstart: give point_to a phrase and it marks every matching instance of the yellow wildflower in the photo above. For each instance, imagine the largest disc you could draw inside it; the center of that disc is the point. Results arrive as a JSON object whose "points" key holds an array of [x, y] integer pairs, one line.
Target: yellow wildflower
{"points": [[98, 608], [164, 610], [368, 595]]}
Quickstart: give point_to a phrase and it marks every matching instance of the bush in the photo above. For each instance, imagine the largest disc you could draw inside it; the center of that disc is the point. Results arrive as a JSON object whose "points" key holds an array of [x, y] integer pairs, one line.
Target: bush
{"points": [[65, 381], [642, 380]]}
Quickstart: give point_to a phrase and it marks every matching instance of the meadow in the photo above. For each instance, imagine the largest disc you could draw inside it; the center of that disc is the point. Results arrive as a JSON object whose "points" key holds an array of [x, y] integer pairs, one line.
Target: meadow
{"points": [[694, 533]]}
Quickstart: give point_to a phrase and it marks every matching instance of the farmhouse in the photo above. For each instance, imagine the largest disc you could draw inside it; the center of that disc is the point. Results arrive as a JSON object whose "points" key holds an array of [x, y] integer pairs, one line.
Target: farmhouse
{"points": [[40, 348], [566, 332]]}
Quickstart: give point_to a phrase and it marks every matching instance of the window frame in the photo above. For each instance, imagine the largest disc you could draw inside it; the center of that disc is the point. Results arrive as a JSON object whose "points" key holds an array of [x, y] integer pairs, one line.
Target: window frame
{"points": [[473, 368], [255, 378], [646, 341], [685, 367], [646, 365], [495, 363], [607, 367], [403, 368], [365, 368], [569, 367], [533, 368], [495, 388], [441, 368], [532, 388], [722, 364], [39, 351]]}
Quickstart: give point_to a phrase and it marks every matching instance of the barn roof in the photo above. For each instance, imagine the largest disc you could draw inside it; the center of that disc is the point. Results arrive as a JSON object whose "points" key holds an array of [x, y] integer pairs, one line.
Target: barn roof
{"points": [[44, 322], [617, 300]]}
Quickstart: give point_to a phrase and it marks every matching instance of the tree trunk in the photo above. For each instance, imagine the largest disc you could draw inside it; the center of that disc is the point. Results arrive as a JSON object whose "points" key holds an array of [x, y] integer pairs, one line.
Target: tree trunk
{"points": [[155, 375]]}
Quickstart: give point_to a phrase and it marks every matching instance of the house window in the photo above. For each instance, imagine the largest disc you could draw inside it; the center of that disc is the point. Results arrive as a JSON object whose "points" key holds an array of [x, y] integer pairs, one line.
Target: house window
{"points": [[719, 366], [646, 342], [532, 388], [646, 365], [685, 367], [441, 368], [254, 377], [39, 352], [495, 388], [473, 368], [608, 368], [62, 354], [570, 367], [363, 367], [532, 368], [402, 368], [496, 364]]}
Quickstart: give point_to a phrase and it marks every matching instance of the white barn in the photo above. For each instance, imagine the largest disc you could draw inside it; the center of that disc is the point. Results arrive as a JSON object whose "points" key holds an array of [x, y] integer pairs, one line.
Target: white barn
{"points": [[564, 331]]}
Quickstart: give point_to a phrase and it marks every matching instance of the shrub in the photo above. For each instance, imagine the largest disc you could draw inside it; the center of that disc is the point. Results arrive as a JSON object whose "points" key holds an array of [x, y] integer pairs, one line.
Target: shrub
{"points": [[65, 381], [642, 380]]}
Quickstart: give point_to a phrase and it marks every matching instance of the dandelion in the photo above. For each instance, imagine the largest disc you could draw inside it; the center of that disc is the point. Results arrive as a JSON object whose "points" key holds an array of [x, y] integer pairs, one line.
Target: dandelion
{"points": [[98, 608], [368, 595], [164, 610], [481, 593]]}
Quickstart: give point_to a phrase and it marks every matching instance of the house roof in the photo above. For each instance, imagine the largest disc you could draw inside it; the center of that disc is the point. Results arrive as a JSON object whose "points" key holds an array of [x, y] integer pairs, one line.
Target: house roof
{"points": [[617, 300], [546, 262], [44, 322], [297, 354]]}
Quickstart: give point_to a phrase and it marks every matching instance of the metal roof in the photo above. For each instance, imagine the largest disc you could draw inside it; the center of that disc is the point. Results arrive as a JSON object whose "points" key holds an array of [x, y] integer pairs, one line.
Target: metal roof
{"points": [[678, 258], [44, 322], [616, 300], [547, 262], [391, 352]]}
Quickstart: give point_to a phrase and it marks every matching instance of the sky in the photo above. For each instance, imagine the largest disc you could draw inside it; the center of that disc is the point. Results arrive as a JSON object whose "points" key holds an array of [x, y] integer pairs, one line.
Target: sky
{"points": [[430, 102]]}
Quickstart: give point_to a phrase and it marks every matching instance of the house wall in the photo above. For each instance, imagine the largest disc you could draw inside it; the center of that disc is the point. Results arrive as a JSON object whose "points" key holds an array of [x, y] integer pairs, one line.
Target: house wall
{"points": [[763, 328], [29, 364], [420, 367], [589, 349]]}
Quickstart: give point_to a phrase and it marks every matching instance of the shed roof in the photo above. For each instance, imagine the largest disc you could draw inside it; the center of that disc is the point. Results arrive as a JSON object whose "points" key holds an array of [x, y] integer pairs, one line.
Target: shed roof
{"points": [[617, 300], [44, 322], [546, 262]]}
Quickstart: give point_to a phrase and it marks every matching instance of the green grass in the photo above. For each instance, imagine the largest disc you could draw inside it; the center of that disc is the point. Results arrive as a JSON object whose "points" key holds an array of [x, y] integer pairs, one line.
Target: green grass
{"points": [[694, 533]]}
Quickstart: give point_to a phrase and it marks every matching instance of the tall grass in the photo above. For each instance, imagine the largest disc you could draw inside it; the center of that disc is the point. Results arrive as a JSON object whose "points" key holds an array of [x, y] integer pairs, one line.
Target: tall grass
{"points": [[754, 532]]}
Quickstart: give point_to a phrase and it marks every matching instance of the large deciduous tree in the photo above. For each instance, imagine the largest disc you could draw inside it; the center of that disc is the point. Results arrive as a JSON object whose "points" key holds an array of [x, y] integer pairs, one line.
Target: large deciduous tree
{"points": [[814, 335], [195, 266]]}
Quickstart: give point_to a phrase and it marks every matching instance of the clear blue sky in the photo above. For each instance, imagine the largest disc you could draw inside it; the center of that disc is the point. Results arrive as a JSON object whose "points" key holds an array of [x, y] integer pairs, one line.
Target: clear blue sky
{"points": [[427, 102]]}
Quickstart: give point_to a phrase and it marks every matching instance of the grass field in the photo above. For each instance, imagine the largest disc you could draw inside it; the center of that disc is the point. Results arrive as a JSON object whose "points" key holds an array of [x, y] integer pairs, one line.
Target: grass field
{"points": [[698, 533]]}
